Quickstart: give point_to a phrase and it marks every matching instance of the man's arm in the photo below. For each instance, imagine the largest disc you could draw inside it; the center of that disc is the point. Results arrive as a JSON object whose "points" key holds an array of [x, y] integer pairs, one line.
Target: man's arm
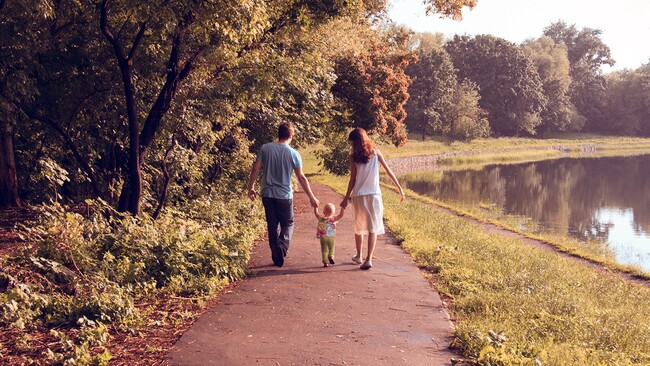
{"points": [[251, 180], [305, 185]]}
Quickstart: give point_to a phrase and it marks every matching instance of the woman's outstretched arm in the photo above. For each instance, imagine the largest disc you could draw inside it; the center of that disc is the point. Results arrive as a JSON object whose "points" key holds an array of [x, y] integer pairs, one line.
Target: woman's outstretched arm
{"points": [[390, 174]]}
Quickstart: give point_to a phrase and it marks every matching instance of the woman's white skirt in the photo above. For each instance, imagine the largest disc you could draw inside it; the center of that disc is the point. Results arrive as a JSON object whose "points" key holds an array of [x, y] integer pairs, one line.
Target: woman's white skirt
{"points": [[368, 214]]}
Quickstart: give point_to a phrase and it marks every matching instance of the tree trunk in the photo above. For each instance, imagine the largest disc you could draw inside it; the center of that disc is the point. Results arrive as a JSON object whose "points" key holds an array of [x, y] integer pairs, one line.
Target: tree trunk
{"points": [[134, 178], [132, 190], [8, 178]]}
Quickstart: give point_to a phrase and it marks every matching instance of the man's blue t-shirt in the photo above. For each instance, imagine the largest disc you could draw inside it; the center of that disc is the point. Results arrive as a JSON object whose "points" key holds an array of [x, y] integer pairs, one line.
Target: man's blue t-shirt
{"points": [[278, 162]]}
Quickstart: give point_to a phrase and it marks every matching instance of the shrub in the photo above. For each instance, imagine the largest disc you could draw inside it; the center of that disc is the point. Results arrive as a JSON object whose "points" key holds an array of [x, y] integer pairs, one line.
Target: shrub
{"points": [[96, 266]]}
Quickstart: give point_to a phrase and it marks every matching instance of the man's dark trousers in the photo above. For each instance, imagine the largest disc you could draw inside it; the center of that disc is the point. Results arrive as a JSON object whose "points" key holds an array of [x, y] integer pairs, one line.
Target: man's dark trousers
{"points": [[279, 221]]}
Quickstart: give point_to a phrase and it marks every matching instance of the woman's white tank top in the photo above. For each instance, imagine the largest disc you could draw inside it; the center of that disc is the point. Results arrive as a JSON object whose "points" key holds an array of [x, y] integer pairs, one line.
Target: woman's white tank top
{"points": [[367, 181]]}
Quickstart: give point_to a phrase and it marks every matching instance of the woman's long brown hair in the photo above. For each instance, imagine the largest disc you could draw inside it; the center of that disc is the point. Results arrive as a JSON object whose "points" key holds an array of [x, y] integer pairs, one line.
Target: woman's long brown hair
{"points": [[362, 146]]}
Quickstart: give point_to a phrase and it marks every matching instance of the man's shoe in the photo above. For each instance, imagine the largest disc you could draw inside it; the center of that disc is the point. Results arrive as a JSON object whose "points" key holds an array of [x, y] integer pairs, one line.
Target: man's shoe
{"points": [[277, 256]]}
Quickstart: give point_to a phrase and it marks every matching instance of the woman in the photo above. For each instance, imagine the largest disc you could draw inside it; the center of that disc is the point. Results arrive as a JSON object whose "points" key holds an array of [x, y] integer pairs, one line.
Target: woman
{"points": [[363, 188]]}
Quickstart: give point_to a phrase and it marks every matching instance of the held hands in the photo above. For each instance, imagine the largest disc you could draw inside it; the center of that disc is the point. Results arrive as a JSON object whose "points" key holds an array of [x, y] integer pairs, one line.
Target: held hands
{"points": [[314, 202], [344, 203]]}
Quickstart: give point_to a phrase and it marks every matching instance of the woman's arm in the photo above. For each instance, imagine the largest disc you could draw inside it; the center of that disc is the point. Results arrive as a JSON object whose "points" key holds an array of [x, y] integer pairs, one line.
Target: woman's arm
{"points": [[390, 174], [353, 178], [340, 215]]}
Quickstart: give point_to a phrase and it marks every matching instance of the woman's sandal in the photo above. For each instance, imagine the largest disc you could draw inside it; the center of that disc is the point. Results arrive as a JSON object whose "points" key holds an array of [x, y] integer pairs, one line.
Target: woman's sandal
{"points": [[356, 260], [366, 265]]}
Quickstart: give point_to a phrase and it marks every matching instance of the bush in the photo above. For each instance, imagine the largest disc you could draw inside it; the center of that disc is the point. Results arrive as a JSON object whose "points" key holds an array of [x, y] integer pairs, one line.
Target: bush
{"points": [[334, 157], [98, 265]]}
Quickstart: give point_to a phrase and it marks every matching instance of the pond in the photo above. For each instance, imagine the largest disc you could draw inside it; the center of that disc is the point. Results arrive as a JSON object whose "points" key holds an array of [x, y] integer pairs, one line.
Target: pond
{"points": [[606, 198]]}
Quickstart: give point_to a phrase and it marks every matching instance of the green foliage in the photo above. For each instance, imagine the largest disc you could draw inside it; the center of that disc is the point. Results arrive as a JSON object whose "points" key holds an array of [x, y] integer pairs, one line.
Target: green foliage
{"points": [[516, 303], [334, 156], [510, 86], [587, 53], [627, 109], [468, 119], [78, 352], [449, 8], [95, 266], [431, 93], [372, 87], [553, 67]]}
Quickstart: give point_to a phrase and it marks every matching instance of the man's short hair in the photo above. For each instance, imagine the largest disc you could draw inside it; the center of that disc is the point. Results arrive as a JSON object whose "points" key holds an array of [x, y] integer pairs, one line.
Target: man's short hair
{"points": [[285, 131]]}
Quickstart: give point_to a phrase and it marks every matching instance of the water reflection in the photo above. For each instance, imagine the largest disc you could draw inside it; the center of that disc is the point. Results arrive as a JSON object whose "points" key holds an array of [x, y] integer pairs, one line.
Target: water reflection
{"points": [[600, 198]]}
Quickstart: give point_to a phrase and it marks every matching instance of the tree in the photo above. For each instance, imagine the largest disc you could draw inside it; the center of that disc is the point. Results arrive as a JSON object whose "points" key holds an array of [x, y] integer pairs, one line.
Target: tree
{"points": [[449, 8], [587, 54], [18, 49], [372, 88], [553, 67], [628, 102], [433, 83], [8, 179], [510, 87], [160, 101], [644, 75], [467, 117], [155, 50]]}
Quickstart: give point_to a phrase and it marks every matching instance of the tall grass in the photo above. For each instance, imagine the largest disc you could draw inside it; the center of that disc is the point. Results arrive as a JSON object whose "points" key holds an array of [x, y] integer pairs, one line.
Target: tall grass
{"points": [[543, 306]]}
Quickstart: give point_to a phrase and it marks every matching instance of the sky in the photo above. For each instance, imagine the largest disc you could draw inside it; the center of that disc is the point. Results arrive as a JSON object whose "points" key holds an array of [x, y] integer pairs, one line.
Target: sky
{"points": [[625, 24]]}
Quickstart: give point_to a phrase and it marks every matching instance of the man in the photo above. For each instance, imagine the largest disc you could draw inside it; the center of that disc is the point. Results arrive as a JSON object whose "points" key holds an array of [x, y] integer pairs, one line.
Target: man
{"points": [[278, 161]]}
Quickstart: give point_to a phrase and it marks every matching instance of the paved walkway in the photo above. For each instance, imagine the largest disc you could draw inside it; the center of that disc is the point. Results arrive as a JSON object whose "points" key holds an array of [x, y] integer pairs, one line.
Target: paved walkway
{"points": [[304, 314]]}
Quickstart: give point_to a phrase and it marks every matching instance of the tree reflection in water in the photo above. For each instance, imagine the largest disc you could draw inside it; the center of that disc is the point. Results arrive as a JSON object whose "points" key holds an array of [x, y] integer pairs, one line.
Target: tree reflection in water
{"points": [[594, 198]]}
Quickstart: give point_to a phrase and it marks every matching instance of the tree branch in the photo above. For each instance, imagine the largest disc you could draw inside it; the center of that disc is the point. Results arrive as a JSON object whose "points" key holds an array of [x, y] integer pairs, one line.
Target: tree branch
{"points": [[175, 75], [136, 42], [103, 24], [163, 195], [81, 102], [71, 145]]}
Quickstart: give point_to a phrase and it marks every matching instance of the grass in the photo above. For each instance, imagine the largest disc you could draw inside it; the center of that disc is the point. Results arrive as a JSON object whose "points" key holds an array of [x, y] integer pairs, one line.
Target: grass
{"points": [[511, 303], [572, 141]]}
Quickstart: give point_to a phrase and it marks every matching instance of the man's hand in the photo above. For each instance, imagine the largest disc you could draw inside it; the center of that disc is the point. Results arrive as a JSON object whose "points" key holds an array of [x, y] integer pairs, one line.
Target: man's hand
{"points": [[252, 195], [314, 202]]}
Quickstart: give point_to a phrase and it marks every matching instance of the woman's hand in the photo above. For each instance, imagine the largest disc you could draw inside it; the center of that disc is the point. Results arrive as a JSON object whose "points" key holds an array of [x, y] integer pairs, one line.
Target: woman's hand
{"points": [[344, 203]]}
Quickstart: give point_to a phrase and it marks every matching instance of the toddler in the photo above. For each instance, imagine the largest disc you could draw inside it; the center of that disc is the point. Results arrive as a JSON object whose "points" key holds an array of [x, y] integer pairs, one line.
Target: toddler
{"points": [[326, 231]]}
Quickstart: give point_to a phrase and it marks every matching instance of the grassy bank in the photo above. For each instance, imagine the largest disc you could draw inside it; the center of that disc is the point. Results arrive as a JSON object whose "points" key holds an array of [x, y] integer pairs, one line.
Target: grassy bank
{"points": [[573, 143], [513, 303], [481, 152]]}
